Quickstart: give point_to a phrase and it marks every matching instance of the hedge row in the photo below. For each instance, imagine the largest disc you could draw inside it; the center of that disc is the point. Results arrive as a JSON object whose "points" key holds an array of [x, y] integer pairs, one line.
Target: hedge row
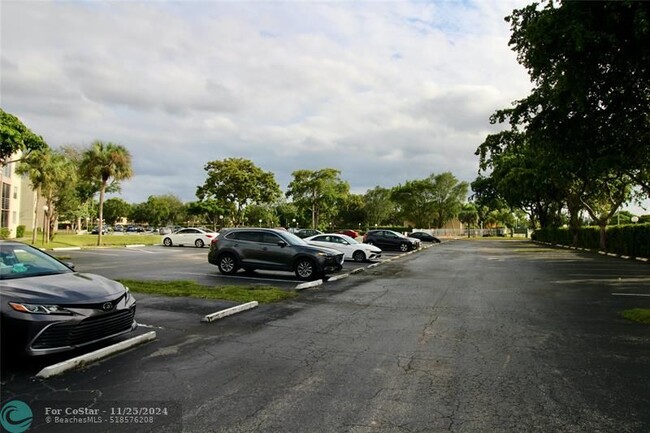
{"points": [[629, 240]]}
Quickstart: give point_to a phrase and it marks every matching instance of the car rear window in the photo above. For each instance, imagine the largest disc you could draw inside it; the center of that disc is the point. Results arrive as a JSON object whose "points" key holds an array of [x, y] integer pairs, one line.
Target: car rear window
{"points": [[246, 236]]}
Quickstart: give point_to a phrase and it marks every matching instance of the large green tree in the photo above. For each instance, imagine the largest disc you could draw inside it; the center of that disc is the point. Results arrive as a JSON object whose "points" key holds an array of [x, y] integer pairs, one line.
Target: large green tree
{"points": [[379, 207], [585, 126], [236, 183], [116, 208], [321, 192], [448, 197], [590, 65], [15, 137], [107, 164], [415, 201]]}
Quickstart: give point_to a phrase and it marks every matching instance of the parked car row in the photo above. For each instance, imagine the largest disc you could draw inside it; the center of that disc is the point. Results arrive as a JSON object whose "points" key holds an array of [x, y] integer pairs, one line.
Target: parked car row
{"points": [[48, 308], [310, 258]]}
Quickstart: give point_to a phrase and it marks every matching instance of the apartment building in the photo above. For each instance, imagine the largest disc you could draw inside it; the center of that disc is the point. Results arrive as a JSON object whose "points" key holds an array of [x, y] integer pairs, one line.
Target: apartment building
{"points": [[17, 200], [10, 193]]}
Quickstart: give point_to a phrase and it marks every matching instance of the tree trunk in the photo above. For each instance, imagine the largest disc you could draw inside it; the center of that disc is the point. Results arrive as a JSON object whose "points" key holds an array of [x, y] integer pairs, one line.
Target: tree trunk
{"points": [[100, 224], [35, 218], [603, 236]]}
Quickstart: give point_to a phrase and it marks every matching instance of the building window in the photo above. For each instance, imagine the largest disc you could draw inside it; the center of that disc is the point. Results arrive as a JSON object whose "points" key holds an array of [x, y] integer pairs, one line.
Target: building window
{"points": [[15, 192], [4, 205], [6, 170]]}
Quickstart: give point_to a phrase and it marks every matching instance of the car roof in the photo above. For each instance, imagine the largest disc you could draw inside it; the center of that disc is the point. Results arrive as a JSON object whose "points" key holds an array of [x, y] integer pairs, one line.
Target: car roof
{"points": [[259, 229]]}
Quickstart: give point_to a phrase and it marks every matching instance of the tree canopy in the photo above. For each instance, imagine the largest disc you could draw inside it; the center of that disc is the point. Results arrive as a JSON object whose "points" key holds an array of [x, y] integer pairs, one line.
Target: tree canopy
{"points": [[14, 137], [235, 183], [106, 164], [585, 127]]}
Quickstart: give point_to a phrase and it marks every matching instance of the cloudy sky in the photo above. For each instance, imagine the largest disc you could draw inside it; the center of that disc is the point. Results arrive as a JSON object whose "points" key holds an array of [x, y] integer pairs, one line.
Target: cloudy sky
{"points": [[383, 91]]}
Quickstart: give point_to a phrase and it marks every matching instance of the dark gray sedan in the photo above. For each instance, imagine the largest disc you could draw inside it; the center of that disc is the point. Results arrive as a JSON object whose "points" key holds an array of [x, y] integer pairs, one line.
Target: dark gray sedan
{"points": [[47, 307]]}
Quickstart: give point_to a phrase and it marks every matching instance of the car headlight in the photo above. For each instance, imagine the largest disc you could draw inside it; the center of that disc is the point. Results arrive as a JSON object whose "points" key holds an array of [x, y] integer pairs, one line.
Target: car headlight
{"points": [[39, 308], [324, 254]]}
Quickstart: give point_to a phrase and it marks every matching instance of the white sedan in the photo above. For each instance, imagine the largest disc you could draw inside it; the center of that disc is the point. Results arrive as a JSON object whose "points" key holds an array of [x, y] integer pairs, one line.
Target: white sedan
{"points": [[190, 236], [352, 249]]}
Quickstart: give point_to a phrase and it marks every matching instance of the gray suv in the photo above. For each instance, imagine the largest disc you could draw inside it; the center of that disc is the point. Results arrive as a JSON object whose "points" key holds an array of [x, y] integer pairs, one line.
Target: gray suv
{"points": [[270, 249]]}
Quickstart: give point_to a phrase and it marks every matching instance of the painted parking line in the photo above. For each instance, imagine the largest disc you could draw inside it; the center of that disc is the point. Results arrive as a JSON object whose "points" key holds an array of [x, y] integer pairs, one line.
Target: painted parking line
{"points": [[643, 295], [84, 360], [142, 325]]}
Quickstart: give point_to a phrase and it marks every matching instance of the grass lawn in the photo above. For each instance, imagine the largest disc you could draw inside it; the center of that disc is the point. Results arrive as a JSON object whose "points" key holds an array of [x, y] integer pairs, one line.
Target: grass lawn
{"points": [[641, 315], [62, 240], [191, 289]]}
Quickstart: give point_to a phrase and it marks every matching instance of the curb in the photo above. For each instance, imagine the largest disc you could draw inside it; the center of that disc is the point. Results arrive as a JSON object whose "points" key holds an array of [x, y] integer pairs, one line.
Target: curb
{"points": [[134, 246], [339, 277], [83, 360], [308, 284], [229, 311], [66, 249]]}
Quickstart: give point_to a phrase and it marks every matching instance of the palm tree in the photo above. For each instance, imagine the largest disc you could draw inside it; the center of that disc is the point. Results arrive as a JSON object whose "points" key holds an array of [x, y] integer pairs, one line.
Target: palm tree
{"points": [[36, 167], [50, 172], [106, 164]]}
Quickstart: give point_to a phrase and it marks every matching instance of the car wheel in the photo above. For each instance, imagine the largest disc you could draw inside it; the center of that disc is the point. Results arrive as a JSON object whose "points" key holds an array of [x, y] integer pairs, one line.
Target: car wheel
{"points": [[404, 247], [199, 243], [305, 269], [167, 242], [227, 264], [359, 256]]}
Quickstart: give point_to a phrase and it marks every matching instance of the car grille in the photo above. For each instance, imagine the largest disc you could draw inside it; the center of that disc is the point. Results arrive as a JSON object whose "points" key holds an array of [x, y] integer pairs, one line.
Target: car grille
{"points": [[88, 330]]}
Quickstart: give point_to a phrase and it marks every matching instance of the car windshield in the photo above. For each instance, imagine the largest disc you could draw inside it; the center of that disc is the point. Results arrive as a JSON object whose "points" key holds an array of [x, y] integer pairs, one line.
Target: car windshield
{"points": [[23, 261]]}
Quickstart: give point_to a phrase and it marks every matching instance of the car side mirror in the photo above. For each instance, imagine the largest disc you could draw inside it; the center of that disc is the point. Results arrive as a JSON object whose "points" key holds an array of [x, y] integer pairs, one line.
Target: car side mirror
{"points": [[282, 244], [69, 264]]}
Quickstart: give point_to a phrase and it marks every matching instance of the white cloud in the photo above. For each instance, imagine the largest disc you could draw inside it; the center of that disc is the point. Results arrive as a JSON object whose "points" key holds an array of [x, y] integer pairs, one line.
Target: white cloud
{"points": [[383, 91]]}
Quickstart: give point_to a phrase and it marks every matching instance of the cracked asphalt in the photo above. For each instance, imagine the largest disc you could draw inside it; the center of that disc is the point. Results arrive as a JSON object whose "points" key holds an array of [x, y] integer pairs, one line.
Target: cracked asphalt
{"points": [[468, 336]]}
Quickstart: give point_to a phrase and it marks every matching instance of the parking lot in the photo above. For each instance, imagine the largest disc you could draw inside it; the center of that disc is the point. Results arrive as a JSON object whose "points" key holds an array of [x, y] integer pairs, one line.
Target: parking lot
{"points": [[176, 263], [445, 318], [173, 318]]}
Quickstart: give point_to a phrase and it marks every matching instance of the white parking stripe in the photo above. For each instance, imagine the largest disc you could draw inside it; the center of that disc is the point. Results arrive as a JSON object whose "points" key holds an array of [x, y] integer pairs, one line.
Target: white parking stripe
{"points": [[632, 294]]}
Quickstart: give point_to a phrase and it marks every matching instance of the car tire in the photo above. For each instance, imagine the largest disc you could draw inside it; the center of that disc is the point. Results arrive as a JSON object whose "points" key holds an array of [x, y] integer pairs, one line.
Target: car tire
{"points": [[227, 264], [199, 243], [167, 242], [359, 256], [404, 247], [305, 269]]}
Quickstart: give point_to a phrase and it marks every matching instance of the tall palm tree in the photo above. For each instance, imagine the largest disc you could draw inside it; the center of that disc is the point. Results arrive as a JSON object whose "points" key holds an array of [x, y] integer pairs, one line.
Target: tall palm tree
{"points": [[106, 164], [36, 167], [50, 172]]}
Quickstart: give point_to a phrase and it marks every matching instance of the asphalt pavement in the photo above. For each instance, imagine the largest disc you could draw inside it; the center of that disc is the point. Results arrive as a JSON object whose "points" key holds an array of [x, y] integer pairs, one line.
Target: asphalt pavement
{"points": [[468, 336]]}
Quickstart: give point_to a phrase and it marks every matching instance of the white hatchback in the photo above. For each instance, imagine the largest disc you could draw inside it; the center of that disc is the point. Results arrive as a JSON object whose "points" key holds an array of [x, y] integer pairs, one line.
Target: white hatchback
{"points": [[352, 249], [190, 236]]}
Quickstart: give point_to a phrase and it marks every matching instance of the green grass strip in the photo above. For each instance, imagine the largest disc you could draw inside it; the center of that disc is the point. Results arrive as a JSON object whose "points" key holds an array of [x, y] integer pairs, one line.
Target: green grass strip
{"points": [[191, 289], [641, 315]]}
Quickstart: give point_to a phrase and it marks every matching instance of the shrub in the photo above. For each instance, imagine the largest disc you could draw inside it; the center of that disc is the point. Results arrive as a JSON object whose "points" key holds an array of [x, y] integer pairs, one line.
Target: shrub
{"points": [[629, 240], [20, 231], [4, 233]]}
